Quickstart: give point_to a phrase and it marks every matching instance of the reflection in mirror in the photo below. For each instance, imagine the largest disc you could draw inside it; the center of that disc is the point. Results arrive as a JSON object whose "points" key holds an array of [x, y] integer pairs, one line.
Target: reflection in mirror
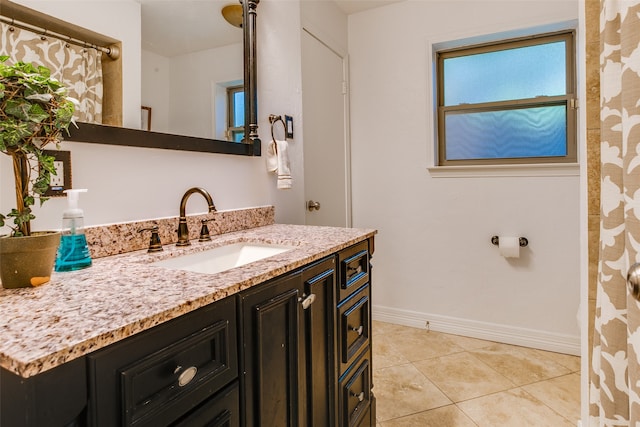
{"points": [[192, 58], [212, 118]]}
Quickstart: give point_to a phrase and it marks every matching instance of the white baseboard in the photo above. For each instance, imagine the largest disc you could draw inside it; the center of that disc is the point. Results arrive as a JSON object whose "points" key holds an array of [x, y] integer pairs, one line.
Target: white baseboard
{"points": [[542, 340]]}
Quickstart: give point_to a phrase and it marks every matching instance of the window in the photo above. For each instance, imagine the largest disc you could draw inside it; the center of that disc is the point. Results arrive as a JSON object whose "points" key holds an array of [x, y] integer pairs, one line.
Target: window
{"points": [[507, 102], [235, 114]]}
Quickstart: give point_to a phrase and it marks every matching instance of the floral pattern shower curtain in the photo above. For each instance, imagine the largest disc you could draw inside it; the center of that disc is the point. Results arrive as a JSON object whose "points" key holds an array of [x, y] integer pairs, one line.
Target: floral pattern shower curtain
{"points": [[614, 395], [79, 68]]}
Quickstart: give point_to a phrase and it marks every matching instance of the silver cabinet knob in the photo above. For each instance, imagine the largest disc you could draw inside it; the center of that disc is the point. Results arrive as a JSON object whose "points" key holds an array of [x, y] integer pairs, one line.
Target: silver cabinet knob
{"points": [[359, 396], [354, 270], [633, 280], [186, 376], [311, 205], [307, 301]]}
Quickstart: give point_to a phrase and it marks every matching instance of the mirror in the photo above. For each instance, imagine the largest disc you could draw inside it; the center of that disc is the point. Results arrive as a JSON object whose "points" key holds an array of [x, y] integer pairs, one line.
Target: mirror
{"points": [[190, 56], [169, 125]]}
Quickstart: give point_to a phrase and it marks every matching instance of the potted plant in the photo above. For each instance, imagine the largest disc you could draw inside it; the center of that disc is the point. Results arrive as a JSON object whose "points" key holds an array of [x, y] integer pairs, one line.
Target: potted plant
{"points": [[34, 112]]}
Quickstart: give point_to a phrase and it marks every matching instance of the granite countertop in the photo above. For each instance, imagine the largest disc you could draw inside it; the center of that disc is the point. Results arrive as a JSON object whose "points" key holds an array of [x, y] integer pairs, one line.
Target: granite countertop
{"points": [[118, 296]]}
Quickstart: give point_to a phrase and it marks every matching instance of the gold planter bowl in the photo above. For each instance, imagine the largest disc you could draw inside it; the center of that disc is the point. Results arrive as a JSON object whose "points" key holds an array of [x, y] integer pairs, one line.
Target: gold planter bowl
{"points": [[28, 261]]}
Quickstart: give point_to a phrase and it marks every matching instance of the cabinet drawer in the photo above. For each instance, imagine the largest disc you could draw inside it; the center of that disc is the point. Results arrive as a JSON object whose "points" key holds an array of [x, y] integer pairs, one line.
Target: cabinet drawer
{"points": [[366, 420], [223, 410], [157, 376], [354, 269], [355, 392], [171, 374], [354, 329]]}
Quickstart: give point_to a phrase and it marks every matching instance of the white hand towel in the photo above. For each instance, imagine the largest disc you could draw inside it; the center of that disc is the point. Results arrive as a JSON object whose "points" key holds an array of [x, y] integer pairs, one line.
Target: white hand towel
{"points": [[272, 157], [278, 162]]}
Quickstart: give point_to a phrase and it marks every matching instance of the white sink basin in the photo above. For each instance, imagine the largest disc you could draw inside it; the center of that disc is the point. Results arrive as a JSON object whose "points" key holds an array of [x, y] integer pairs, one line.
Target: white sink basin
{"points": [[223, 257]]}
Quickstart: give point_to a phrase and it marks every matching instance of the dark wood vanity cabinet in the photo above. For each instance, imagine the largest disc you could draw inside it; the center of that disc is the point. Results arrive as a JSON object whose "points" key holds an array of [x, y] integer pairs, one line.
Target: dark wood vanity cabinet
{"points": [[288, 336], [307, 345], [57, 397], [168, 374], [293, 351], [356, 403]]}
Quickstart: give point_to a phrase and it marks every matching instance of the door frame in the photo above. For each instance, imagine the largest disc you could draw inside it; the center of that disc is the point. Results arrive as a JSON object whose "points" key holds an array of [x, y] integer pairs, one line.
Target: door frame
{"points": [[326, 40]]}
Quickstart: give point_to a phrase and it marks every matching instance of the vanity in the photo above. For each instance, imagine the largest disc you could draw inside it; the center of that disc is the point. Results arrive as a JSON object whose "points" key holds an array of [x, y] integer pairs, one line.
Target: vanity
{"points": [[281, 341]]}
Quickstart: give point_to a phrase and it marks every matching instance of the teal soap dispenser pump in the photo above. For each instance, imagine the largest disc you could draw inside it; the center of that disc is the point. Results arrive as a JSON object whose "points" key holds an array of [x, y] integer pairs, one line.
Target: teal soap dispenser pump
{"points": [[73, 252]]}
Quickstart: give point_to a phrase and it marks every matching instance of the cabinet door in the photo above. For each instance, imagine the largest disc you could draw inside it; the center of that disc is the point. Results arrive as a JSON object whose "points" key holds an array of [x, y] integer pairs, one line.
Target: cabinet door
{"points": [[273, 354], [319, 281], [55, 397]]}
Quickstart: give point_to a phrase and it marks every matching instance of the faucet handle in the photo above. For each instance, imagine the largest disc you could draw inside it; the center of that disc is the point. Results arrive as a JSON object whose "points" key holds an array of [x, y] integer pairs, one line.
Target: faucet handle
{"points": [[155, 245], [204, 231]]}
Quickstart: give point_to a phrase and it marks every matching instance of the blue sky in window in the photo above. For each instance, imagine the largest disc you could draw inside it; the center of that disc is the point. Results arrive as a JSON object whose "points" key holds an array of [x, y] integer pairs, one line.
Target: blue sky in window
{"points": [[238, 113], [519, 73]]}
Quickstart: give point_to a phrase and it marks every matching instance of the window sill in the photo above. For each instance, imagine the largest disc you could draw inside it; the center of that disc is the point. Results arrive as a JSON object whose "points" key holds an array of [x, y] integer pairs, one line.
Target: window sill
{"points": [[477, 171]]}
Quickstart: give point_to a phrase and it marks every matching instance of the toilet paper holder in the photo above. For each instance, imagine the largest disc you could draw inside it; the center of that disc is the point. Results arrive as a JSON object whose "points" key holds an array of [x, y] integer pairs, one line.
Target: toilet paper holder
{"points": [[522, 240]]}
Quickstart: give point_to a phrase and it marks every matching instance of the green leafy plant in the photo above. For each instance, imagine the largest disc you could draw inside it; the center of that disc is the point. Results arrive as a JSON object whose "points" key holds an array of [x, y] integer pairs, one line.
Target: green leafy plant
{"points": [[34, 112]]}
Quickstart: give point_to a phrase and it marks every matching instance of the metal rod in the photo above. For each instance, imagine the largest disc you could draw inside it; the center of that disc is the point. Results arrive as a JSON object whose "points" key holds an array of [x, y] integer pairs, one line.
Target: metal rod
{"points": [[112, 52], [250, 69], [522, 241], [273, 118]]}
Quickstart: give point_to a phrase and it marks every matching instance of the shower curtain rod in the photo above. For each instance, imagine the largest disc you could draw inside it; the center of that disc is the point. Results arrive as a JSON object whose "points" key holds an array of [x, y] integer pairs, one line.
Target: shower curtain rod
{"points": [[113, 52]]}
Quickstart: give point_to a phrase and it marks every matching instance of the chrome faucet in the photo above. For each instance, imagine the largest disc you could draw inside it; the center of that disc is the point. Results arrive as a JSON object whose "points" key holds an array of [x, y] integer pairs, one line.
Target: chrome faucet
{"points": [[183, 231]]}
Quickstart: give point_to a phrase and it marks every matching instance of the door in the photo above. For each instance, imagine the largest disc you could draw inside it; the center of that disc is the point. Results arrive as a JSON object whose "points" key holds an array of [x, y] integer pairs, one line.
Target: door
{"points": [[326, 154]]}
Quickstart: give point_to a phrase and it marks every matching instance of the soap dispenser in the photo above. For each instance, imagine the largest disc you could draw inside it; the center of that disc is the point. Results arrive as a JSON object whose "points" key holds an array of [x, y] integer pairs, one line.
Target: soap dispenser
{"points": [[73, 252]]}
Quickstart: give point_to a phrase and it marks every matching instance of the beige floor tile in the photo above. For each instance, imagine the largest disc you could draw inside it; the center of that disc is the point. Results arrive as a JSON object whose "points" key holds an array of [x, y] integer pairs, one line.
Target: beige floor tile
{"points": [[562, 394], [385, 354], [462, 376], [411, 394], [379, 328], [469, 343], [447, 416], [420, 344], [403, 390], [512, 408], [519, 364], [567, 360]]}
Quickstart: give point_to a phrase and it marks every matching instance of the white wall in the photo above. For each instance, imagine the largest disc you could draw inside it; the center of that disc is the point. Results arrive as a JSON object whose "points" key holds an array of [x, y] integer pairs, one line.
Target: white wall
{"points": [[183, 102], [155, 89], [327, 22], [279, 83], [434, 260], [127, 183], [191, 106]]}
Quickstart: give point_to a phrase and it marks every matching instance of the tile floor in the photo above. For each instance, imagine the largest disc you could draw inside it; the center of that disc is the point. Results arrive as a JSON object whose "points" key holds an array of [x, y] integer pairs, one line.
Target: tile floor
{"points": [[424, 378]]}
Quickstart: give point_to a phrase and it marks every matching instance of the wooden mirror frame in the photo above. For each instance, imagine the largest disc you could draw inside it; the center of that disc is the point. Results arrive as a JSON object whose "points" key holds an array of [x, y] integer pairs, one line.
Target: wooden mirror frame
{"points": [[250, 146]]}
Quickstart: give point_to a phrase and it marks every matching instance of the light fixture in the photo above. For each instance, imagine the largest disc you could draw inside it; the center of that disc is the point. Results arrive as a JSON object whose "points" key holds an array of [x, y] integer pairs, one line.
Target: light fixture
{"points": [[232, 13]]}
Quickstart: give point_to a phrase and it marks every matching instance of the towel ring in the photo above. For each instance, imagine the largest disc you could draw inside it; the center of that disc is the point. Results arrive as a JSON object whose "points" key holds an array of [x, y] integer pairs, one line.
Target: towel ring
{"points": [[273, 119]]}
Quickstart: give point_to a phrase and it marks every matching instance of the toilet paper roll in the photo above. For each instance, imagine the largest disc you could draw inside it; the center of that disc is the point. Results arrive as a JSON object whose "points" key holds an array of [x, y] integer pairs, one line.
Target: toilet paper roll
{"points": [[509, 246]]}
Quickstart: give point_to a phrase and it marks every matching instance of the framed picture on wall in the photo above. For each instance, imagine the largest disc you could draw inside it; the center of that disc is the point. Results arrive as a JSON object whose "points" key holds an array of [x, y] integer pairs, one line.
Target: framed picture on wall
{"points": [[146, 118]]}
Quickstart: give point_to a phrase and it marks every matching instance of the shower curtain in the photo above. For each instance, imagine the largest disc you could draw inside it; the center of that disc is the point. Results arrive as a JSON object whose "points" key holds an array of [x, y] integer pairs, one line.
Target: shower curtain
{"points": [[79, 68], [615, 379]]}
